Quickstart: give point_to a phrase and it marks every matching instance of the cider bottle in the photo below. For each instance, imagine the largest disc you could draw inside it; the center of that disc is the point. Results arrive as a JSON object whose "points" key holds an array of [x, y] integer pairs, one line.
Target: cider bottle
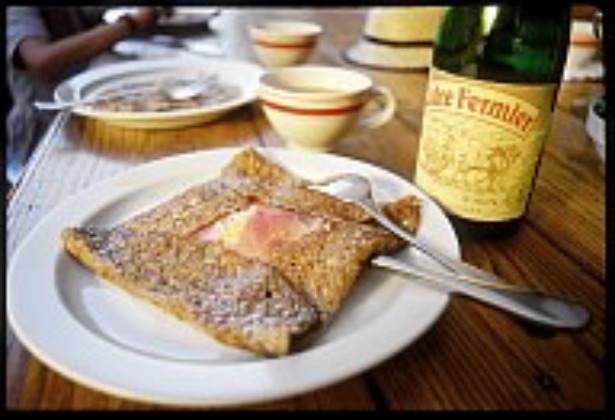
{"points": [[492, 88]]}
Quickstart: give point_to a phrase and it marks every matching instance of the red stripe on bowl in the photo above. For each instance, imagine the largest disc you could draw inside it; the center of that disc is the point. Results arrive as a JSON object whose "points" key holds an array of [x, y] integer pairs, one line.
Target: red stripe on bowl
{"points": [[311, 111], [270, 44]]}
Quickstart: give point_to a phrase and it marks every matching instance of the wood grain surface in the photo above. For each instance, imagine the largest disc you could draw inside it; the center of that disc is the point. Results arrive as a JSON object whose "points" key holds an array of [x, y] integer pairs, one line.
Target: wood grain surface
{"points": [[474, 357]]}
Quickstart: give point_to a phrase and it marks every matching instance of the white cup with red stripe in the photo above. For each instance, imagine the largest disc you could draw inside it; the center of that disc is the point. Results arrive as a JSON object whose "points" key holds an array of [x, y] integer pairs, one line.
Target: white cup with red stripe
{"points": [[314, 107], [280, 43]]}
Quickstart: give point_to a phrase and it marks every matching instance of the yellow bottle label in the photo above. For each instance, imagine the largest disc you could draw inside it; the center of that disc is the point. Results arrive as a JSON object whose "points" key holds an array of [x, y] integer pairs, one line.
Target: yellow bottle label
{"points": [[480, 144]]}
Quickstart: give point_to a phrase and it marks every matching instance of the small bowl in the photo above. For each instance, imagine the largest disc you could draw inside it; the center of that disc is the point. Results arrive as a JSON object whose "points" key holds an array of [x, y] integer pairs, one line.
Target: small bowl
{"points": [[281, 43]]}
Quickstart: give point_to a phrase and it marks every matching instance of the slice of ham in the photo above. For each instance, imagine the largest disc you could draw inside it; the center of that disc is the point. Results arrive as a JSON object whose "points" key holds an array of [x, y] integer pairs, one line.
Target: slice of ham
{"points": [[254, 232]]}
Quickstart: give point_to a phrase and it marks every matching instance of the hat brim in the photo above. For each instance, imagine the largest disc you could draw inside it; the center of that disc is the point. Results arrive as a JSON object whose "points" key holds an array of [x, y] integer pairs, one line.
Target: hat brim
{"points": [[391, 57]]}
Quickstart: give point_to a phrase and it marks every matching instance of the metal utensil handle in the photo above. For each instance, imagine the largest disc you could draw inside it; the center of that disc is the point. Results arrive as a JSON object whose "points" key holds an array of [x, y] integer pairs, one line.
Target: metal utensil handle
{"points": [[451, 264], [542, 309], [54, 106]]}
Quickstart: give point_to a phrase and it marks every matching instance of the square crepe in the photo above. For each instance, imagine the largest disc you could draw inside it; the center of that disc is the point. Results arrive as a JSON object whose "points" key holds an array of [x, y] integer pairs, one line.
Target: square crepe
{"points": [[253, 257]]}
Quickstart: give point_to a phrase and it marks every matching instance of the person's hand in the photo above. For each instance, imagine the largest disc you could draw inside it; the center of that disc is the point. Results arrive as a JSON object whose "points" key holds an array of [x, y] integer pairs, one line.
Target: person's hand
{"points": [[144, 17]]}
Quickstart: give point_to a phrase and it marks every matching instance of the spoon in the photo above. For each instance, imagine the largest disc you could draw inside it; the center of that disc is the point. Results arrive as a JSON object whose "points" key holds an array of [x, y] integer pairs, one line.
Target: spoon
{"points": [[189, 90], [174, 91], [464, 279], [357, 189]]}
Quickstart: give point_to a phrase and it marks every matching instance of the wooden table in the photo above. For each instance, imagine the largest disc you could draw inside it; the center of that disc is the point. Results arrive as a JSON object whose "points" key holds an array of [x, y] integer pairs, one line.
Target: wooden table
{"points": [[474, 357]]}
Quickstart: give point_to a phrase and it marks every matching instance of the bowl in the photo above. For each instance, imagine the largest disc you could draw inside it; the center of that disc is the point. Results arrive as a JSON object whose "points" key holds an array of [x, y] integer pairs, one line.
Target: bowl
{"points": [[280, 43]]}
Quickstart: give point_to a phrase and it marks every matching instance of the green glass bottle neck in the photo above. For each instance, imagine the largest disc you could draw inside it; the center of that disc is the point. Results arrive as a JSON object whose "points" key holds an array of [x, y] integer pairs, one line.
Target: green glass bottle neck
{"points": [[508, 43]]}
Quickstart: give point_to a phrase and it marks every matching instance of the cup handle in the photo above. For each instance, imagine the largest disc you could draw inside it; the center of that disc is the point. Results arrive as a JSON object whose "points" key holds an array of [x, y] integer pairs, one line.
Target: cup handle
{"points": [[385, 113]]}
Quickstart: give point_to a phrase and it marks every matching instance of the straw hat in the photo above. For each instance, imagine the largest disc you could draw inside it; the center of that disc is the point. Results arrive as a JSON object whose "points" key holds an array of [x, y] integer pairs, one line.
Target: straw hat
{"points": [[399, 38]]}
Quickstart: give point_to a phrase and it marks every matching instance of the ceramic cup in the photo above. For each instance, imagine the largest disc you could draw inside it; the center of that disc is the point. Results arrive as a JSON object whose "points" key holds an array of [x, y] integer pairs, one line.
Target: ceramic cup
{"points": [[313, 107], [280, 43]]}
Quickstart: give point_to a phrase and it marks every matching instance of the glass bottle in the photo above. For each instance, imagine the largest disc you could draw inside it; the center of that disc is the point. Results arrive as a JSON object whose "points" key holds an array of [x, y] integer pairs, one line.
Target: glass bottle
{"points": [[492, 88]]}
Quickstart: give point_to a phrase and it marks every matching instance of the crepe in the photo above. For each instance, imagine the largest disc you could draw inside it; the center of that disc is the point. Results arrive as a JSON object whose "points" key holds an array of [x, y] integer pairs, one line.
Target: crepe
{"points": [[253, 258]]}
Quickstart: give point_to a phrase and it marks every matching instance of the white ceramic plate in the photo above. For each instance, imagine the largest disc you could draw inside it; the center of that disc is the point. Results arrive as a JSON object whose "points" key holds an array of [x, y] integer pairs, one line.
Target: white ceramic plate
{"points": [[242, 77], [106, 340]]}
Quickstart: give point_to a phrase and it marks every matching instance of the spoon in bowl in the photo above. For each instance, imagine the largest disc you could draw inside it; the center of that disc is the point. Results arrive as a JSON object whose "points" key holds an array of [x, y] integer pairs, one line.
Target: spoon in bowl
{"points": [[174, 91], [192, 89]]}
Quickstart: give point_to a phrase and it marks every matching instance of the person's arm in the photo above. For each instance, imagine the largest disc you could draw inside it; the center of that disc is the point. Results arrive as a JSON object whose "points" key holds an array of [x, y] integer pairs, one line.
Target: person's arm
{"points": [[44, 58]]}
